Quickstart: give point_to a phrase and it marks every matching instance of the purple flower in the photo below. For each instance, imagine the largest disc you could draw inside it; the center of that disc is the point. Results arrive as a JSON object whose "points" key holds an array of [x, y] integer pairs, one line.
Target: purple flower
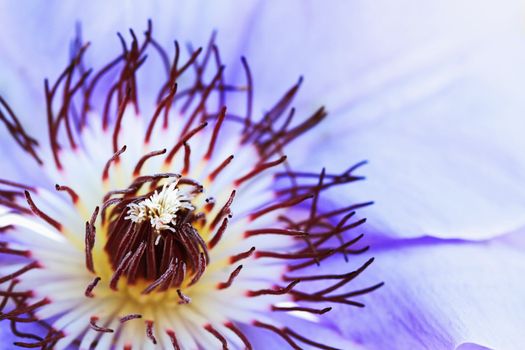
{"points": [[179, 223], [425, 90]]}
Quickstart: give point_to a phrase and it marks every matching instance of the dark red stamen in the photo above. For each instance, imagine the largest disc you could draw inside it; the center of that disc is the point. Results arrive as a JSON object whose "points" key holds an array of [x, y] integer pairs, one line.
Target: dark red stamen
{"points": [[89, 289], [187, 154], [142, 160], [69, 191], [299, 308], [130, 317], [149, 331], [119, 271], [218, 235], [220, 168], [258, 169], [113, 159], [184, 299], [5, 250], [50, 340], [40, 213], [282, 205], [233, 275], [215, 133], [118, 123], [173, 339], [279, 332], [217, 335], [19, 310], [161, 280], [275, 231], [185, 139], [241, 256], [18, 185], [93, 325], [305, 340], [346, 276], [21, 271], [275, 291], [240, 334], [225, 210], [249, 95], [26, 142], [164, 104]]}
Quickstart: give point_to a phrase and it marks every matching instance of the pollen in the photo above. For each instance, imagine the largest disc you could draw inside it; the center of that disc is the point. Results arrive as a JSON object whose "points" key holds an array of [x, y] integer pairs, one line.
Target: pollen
{"points": [[161, 208]]}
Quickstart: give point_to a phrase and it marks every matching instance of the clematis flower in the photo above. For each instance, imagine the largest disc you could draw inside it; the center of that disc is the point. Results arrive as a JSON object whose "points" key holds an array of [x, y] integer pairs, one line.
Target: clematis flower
{"points": [[180, 224], [427, 90]]}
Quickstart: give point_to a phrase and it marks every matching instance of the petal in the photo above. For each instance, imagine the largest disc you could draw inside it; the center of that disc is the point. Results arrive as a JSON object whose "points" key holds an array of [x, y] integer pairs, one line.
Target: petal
{"points": [[471, 346], [42, 36], [350, 51], [435, 111], [438, 294], [6, 335], [451, 166]]}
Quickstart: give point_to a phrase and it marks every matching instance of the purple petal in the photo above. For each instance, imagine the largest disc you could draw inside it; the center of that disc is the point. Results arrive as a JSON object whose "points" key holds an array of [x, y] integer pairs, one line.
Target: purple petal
{"points": [[438, 294]]}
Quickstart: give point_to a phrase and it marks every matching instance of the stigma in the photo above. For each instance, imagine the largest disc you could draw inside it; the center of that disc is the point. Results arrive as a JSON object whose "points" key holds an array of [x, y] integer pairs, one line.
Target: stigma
{"points": [[161, 208]]}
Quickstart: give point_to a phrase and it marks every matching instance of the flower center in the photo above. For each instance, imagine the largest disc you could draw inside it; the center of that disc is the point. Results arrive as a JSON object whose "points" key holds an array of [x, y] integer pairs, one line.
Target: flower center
{"points": [[161, 209], [153, 235]]}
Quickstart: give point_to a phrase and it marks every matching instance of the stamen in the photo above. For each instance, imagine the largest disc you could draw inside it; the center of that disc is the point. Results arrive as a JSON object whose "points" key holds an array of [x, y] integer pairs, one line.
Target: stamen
{"points": [[30, 266], [142, 160], [225, 210], [215, 133], [90, 240], [184, 299], [40, 213], [26, 142], [284, 204], [249, 94], [241, 256], [221, 167], [258, 169], [240, 334], [217, 237], [173, 339], [89, 290], [233, 275], [184, 140], [49, 340], [217, 335], [299, 308], [93, 325], [279, 332], [130, 317], [69, 191], [119, 271], [307, 341], [149, 331], [19, 310], [113, 159], [162, 279], [276, 291]]}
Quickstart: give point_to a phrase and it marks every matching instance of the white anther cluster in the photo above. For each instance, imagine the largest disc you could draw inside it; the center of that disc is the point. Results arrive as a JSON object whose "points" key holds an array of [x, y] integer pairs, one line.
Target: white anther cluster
{"points": [[161, 208]]}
